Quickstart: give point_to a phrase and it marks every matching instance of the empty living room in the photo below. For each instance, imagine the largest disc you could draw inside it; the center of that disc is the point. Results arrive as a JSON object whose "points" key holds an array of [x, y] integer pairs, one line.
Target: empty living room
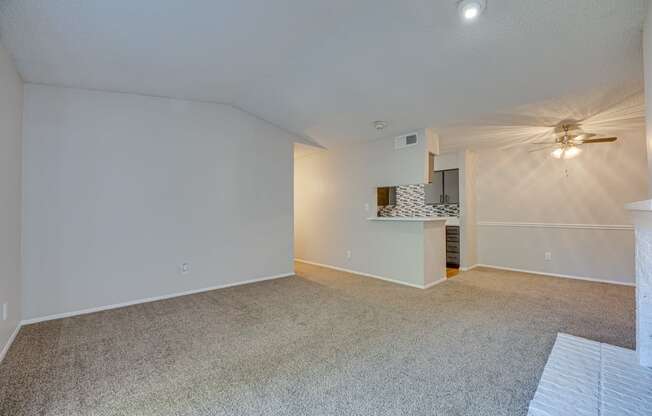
{"points": [[284, 207]]}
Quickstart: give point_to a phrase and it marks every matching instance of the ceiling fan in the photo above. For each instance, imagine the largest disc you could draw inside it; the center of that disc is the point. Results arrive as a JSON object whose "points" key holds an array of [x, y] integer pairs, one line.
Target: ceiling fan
{"points": [[568, 137]]}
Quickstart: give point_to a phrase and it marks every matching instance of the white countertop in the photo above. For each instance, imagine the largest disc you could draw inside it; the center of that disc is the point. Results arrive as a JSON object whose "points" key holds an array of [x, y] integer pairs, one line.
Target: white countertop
{"points": [[452, 221], [422, 219]]}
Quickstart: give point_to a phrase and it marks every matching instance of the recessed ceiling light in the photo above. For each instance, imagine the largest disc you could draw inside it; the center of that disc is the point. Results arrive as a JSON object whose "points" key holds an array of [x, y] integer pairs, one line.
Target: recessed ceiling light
{"points": [[471, 9], [379, 125]]}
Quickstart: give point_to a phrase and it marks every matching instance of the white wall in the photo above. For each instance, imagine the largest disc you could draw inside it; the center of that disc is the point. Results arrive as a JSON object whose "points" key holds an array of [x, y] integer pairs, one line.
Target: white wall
{"points": [[647, 72], [120, 189], [467, 164], [332, 190], [11, 106], [517, 187]]}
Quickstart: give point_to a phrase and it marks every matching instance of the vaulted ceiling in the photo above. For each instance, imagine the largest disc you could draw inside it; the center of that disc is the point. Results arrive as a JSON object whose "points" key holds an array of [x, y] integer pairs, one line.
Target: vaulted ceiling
{"points": [[327, 69]]}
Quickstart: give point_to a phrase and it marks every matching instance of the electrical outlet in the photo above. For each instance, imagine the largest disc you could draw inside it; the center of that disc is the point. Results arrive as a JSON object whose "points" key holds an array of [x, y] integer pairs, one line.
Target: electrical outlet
{"points": [[548, 255], [5, 311], [184, 268], [348, 254]]}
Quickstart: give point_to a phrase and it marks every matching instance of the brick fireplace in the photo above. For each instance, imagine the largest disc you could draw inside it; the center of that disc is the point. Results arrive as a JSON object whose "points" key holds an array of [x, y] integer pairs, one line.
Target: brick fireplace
{"points": [[642, 216]]}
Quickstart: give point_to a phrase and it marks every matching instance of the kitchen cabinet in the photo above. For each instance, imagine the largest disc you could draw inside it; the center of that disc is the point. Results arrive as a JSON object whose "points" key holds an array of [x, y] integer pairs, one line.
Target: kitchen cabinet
{"points": [[451, 186], [444, 189], [435, 189]]}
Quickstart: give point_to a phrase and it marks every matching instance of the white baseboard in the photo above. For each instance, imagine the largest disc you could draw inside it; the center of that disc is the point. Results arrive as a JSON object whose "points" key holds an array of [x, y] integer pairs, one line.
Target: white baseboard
{"points": [[565, 276], [10, 341], [429, 285], [146, 300], [373, 276], [466, 269]]}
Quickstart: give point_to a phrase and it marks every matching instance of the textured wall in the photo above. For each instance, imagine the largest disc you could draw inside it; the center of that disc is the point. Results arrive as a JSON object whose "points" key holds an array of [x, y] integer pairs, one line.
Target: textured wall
{"points": [[514, 186], [335, 193], [647, 60], [121, 189], [11, 106], [467, 162]]}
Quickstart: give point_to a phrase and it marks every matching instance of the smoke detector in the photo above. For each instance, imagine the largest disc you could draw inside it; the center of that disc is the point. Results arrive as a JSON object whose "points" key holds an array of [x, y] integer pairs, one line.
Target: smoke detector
{"points": [[379, 125]]}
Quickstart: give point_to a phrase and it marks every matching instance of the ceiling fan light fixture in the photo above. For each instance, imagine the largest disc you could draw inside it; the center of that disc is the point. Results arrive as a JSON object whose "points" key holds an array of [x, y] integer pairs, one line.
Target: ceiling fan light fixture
{"points": [[567, 152], [567, 139], [571, 152]]}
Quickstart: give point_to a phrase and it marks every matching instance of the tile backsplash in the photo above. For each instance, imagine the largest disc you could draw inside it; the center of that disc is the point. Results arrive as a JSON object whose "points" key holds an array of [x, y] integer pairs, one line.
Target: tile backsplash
{"points": [[411, 202]]}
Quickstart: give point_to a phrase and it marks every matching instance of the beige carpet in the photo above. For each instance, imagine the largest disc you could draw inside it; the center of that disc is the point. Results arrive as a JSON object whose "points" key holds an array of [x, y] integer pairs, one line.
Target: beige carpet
{"points": [[321, 343]]}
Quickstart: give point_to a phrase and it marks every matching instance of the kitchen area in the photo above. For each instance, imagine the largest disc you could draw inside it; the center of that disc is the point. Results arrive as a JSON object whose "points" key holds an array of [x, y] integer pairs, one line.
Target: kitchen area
{"points": [[437, 200], [398, 209]]}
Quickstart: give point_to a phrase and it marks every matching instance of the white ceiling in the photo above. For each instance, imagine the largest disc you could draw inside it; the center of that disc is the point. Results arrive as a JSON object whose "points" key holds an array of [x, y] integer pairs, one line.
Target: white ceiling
{"points": [[326, 69], [605, 113]]}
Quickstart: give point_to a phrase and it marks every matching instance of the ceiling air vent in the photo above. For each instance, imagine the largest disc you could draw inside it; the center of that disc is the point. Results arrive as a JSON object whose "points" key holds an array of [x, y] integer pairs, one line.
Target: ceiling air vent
{"points": [[406, 140]]}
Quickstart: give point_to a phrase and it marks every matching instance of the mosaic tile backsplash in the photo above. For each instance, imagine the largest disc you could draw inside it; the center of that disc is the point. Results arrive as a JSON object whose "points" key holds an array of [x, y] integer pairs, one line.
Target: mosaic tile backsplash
{"points": [[411, 202]]}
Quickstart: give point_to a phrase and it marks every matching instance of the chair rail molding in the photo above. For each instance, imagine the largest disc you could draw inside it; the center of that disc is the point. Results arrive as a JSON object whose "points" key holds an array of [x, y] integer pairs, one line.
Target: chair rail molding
{"points": [[555, 225]]}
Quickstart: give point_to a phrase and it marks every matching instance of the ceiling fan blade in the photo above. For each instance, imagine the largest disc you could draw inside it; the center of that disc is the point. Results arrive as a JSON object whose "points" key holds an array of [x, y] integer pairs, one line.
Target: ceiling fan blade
{"points": [[602, 140], [583, 136], [552, 142]]}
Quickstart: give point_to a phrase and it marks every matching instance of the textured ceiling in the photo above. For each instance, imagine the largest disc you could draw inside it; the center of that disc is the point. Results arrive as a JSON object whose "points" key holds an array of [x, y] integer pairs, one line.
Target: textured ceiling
{"points": [[602, 112], [327, 69]]}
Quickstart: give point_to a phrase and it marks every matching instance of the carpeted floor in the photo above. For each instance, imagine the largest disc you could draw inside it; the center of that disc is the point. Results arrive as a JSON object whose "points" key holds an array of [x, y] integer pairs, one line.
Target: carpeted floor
{"points": [[321, 343]]}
